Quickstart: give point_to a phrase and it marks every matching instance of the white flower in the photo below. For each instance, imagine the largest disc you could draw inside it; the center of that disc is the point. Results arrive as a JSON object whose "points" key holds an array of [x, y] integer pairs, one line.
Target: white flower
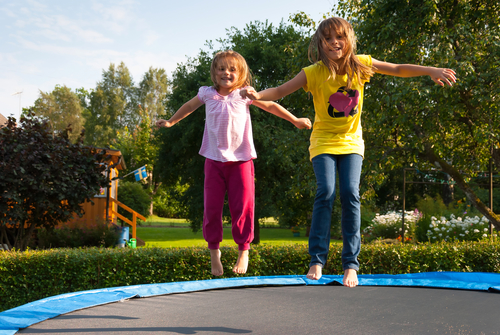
{"points": [[485, 229], [436, 229], [434, 237], [476, 230], [440, 234], [484, 235], [466, 231]]}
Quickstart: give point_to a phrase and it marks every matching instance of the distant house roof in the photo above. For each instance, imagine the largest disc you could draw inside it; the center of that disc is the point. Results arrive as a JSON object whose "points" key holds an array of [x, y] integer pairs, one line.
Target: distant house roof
{"points": [[3, 120]]}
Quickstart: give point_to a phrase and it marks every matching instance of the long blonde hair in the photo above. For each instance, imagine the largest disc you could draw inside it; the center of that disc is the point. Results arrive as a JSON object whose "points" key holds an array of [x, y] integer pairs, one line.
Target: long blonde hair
{"points": [[349, 63], [244, 74]]}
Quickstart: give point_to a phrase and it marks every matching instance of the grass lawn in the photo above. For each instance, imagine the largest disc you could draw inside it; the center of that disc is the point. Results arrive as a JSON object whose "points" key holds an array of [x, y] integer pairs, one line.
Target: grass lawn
{"points": [[167, 236]]}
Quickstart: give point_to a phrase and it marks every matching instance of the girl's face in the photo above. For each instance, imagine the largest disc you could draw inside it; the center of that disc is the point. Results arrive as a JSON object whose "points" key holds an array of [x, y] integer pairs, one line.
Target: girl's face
{"points": [[227, 75], [334, 45]]}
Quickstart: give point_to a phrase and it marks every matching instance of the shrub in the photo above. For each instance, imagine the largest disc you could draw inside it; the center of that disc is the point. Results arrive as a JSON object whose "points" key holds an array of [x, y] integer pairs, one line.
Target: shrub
{"points": [[134, 196], [79, 235], [166, 202], [458, 228], [33, 275], [389, 225]]}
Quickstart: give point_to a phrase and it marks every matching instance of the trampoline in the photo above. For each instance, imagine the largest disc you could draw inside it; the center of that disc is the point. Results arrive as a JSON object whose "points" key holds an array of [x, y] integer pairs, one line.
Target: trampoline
{"points": [[433, 302]]}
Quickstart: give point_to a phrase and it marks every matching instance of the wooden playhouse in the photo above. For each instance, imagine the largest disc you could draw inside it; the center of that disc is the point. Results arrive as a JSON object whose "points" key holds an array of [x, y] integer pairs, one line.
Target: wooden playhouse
{"points": [[106, 202]]}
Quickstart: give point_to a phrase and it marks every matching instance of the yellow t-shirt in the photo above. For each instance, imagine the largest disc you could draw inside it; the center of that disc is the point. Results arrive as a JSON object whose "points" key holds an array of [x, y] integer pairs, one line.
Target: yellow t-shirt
{"points": [[337, 121]]}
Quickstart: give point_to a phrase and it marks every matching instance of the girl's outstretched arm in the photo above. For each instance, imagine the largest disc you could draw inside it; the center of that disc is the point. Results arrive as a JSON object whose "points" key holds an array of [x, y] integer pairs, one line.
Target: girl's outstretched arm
{"points": [[275, 93], [438, 75], [278, 110], [181, 113]]}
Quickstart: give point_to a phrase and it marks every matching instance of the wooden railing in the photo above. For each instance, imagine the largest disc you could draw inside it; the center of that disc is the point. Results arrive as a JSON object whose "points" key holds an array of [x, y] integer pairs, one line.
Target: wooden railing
{"points": [[135, 215]]}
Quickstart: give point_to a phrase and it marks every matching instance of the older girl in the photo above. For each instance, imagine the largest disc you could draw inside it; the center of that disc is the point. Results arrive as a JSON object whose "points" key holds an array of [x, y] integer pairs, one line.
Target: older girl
{"points": [[336, 80]]}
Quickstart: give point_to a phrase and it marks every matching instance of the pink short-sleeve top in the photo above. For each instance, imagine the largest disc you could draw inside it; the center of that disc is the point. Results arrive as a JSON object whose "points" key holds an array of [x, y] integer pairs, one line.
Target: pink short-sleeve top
{"points": [[228, 129]]}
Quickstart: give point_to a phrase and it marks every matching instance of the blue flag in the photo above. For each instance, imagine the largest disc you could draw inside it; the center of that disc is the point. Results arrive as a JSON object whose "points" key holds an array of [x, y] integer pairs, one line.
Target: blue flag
{"points": [[140, 173]]}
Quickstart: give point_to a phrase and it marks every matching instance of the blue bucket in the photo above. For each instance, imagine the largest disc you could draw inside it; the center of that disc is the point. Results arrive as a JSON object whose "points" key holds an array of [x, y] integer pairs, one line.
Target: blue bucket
{"points": [[123, 237]]}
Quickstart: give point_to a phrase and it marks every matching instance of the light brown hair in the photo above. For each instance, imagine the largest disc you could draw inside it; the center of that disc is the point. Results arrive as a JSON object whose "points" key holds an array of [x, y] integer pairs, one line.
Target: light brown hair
{"points": [[349, 63], [244, 74]]}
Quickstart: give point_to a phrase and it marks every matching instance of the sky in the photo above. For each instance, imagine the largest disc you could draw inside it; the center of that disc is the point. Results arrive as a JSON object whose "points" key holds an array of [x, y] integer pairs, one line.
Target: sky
{"points": [[44, 43]]}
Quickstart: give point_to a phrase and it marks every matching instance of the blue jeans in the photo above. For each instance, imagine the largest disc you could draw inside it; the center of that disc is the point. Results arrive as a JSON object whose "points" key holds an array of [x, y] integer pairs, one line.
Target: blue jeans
{"points": [[326, 167]]}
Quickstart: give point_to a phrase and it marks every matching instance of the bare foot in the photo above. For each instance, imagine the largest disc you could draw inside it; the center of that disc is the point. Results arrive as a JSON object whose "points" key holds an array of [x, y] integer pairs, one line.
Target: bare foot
{"points": [[315, 272], [241, 264], [350, 278], [217, 268]]}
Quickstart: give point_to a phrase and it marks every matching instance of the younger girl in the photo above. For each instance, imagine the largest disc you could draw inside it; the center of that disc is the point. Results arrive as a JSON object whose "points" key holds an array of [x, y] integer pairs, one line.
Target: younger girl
{"points": [[336, 81], [229, 150]]}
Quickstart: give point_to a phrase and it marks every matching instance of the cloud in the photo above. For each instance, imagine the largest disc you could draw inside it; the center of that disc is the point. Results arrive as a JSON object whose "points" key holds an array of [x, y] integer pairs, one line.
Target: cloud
{"points": [[116, 16]]}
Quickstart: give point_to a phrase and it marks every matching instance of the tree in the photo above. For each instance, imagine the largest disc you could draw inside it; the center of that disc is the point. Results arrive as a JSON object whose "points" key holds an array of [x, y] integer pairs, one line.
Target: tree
{"points": [[178, 158], [413, 121], [112, 106], [61, 108], [153, 90], [44, 179], [139, 147]]}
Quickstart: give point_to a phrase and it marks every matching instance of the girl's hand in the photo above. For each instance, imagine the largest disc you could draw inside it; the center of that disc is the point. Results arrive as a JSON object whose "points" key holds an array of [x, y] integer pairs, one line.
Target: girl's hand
{"points": [[250, 93], [303, 123], [439, 75], [163, 123]]}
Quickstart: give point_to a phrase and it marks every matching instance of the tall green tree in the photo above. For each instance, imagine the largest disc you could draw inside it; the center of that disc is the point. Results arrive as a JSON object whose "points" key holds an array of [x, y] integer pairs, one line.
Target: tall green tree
{"points": [[153, 90], [61, 108], [139, 147], [178, 158], [413, 121], [112, 105], [44, 179]]}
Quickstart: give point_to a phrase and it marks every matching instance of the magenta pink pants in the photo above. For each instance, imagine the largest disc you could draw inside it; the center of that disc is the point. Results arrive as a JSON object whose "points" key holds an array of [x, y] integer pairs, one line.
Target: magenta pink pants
{"points": [[237, 179]]}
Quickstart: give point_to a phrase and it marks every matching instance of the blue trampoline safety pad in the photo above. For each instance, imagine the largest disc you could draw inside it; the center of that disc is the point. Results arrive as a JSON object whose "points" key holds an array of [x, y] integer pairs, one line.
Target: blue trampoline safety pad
{"points": [[26, 315]]}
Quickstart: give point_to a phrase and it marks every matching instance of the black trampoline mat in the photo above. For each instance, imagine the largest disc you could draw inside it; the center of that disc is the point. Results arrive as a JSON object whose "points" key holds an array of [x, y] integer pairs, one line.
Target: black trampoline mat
{"points": [[290, 310]]}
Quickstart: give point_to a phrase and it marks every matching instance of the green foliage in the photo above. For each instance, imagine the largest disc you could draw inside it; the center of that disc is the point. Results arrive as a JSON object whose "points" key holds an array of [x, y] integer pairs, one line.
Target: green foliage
{"points": [[390, 226], [166, 203], [461, 228], [112, 105], [412, 120], [133, 195], [179, 161], [33, 275], [61, 108], [44, 179], [99, 234]]}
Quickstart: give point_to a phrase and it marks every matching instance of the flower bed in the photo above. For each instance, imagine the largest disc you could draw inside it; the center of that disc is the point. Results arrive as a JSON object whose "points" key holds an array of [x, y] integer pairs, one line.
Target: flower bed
{"points": [[458, 228]]}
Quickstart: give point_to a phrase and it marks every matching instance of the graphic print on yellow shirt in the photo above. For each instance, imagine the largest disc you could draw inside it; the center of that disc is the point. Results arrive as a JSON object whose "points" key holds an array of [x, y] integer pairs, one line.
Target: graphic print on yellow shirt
{"points": [[337, 121], [343, 103]]}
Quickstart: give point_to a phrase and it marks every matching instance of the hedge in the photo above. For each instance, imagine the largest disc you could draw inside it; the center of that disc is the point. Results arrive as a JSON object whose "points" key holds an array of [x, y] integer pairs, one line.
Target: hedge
{"points": [[33, 275]]}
